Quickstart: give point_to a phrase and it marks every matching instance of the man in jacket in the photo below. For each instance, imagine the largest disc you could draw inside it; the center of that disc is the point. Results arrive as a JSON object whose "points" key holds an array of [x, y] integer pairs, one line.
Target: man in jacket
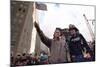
{"points": [[77, 44], [56, 45]]}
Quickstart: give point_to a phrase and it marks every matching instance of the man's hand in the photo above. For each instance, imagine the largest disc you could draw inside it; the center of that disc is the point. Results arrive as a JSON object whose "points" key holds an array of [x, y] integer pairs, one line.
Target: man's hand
{"points": [[87, 55], [36, 24]]}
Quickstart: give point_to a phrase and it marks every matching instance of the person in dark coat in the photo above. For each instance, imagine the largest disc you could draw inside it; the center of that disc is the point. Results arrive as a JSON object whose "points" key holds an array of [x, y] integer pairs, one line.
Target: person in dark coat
{"points": [[77, 43]]}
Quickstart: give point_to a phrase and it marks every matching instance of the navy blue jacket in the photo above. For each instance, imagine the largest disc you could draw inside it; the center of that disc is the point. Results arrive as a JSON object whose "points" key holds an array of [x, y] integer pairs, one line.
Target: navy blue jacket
{"points": [[77, 45]]}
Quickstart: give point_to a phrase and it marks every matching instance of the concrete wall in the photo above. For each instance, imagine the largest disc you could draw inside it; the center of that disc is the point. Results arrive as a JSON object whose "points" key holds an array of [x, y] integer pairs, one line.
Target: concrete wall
{"points": [[24, 38]]}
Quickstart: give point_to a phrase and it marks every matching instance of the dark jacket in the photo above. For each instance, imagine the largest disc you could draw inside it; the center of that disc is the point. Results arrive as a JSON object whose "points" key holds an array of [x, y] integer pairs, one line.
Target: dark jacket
{"points": [[77, 45]]}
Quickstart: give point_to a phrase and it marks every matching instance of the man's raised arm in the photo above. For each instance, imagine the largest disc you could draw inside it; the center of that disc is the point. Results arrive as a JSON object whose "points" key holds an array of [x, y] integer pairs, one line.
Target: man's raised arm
{"points": [[43, 38]]}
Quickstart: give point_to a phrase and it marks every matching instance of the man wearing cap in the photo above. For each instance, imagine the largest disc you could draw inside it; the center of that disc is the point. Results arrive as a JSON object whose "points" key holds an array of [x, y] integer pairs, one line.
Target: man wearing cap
{"points": [[77, 43]]}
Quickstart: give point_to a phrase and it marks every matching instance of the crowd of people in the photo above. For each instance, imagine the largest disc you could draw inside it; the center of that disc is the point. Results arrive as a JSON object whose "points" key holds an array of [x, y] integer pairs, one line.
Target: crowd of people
{"points": [[26, 59], [63, 45]]}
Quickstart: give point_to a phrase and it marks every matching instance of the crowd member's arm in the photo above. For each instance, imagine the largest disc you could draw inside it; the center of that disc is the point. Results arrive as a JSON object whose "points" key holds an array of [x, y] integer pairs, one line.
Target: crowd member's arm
{"points": [[43, 38], [88, 50]]}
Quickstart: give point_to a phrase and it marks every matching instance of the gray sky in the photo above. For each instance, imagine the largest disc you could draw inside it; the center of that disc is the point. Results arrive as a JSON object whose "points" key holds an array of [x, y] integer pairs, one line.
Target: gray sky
{"points": [[61, 15]]}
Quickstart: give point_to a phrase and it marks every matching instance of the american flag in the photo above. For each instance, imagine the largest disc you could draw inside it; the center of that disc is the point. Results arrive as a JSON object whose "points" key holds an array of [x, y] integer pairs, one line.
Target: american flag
{"points": [[41, 6]]}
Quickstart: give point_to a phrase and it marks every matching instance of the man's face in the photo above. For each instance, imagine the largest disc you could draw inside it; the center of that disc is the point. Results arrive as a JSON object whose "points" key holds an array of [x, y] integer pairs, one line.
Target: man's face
{"points": [[57, 33], [72, 32]]}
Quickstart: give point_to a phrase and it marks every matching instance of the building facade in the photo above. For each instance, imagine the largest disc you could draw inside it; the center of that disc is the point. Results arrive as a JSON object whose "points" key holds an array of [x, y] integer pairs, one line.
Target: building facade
{"points": [[24, 38]]}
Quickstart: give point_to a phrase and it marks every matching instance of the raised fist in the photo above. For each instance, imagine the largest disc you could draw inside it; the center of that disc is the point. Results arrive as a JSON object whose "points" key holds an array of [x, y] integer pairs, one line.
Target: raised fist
{"points": [[36, 24]]}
